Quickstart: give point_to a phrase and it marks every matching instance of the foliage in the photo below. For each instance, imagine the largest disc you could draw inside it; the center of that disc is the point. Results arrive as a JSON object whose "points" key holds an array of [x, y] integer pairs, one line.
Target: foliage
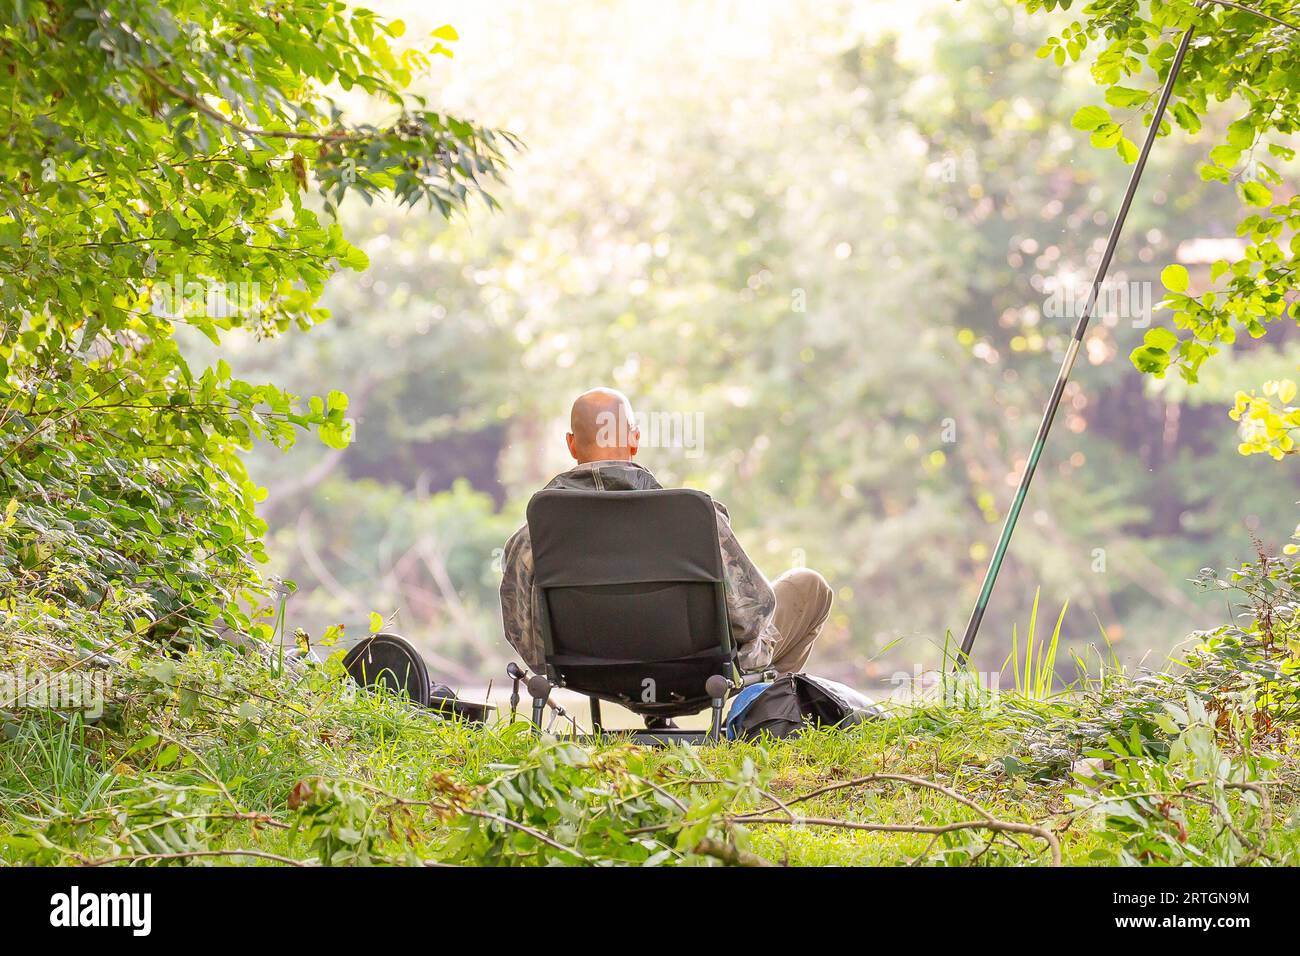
{"points": [[155, 174], [602, 806], [1139, 805], [342, 825], [1248, 55], [1256, 658], [853, 264], [714, 253], [226, 754], [1269, 421]]}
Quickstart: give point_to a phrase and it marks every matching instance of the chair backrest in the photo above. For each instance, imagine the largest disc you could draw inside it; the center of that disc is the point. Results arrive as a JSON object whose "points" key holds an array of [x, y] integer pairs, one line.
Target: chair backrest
{"points": [[631, 595]]}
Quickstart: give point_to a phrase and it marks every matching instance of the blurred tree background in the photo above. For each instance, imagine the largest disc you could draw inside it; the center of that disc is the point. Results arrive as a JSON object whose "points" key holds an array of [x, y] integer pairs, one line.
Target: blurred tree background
{"points": [[841, 235]]}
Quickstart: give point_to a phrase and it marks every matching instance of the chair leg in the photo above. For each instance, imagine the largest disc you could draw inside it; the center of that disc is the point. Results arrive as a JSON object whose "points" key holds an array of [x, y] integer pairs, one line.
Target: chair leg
{"points": [[716, 687], [540, 689], [596, 725], [538, 704], [715, 725]]}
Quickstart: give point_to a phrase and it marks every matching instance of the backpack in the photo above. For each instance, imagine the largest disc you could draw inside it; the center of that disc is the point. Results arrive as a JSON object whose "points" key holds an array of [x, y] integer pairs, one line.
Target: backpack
{"points": [[784, 707]]}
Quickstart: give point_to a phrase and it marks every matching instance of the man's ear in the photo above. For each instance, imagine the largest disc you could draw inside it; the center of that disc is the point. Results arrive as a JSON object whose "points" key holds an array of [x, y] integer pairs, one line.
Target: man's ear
{"points": [[573, 448], [633, 442]]}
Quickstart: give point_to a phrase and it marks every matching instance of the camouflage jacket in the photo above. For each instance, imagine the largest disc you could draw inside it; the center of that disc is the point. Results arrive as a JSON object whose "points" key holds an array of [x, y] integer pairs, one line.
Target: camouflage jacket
{"points": [[750, 601]]}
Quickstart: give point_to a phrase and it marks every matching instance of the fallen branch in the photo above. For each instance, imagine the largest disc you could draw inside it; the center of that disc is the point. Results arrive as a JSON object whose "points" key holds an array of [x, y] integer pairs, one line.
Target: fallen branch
{"points": [[1000, 826], [524, 828], [730, 854], [145, 857], [986, 822]]}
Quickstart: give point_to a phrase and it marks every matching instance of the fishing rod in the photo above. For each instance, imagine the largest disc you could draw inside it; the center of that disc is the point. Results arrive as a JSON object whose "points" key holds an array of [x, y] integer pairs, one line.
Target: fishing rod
{"points": [[1071, 353]]}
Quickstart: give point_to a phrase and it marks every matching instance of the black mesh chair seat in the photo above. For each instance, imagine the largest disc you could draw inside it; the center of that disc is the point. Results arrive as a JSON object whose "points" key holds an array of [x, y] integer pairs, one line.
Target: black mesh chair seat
{"points": [[631, 598]]}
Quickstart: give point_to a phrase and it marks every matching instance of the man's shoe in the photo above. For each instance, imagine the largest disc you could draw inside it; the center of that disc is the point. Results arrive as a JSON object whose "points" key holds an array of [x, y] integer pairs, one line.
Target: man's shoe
{"points": [[661, 723]]}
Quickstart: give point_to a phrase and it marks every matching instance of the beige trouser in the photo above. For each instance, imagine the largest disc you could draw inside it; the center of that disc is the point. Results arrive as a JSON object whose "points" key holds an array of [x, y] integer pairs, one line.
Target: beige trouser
{"points": [[803, 602]]}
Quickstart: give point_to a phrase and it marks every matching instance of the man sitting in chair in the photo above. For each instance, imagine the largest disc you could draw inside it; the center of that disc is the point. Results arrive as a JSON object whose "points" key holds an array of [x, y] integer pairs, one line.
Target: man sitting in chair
{"points": [[772, 625]]}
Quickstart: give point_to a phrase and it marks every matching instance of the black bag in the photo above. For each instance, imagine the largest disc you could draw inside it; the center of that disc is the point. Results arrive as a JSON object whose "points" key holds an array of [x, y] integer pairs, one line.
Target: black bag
{"points": [[390, 660], [792, 702]]}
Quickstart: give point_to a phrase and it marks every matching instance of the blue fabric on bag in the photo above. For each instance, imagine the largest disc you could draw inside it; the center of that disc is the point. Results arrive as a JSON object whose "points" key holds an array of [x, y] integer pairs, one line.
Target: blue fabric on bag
{"points": [[740, 703]]}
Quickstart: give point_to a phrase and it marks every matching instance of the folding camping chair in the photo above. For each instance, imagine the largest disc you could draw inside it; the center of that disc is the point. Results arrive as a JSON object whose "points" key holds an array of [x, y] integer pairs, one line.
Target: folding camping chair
{"points": [[632, 605]]}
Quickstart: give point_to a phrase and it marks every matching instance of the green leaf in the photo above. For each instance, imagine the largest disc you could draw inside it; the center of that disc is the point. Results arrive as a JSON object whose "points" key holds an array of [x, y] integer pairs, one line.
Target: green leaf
{"points": [[335, 436], [1150, 361], [1241, 134], [1089, 117], [1161, 339], [1257, 194], [1123, 96], [1106, 135], [1186, 117], [1225, 156], [1175, 278]]}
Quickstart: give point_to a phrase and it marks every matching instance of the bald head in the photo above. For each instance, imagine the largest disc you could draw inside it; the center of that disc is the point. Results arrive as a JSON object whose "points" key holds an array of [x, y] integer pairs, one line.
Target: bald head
{"points": [[601, 427]]}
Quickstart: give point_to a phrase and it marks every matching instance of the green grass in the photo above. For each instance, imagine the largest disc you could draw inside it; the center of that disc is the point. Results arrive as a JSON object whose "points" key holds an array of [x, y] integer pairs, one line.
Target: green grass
{"points": [[1034, 680], [205, 756]]}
